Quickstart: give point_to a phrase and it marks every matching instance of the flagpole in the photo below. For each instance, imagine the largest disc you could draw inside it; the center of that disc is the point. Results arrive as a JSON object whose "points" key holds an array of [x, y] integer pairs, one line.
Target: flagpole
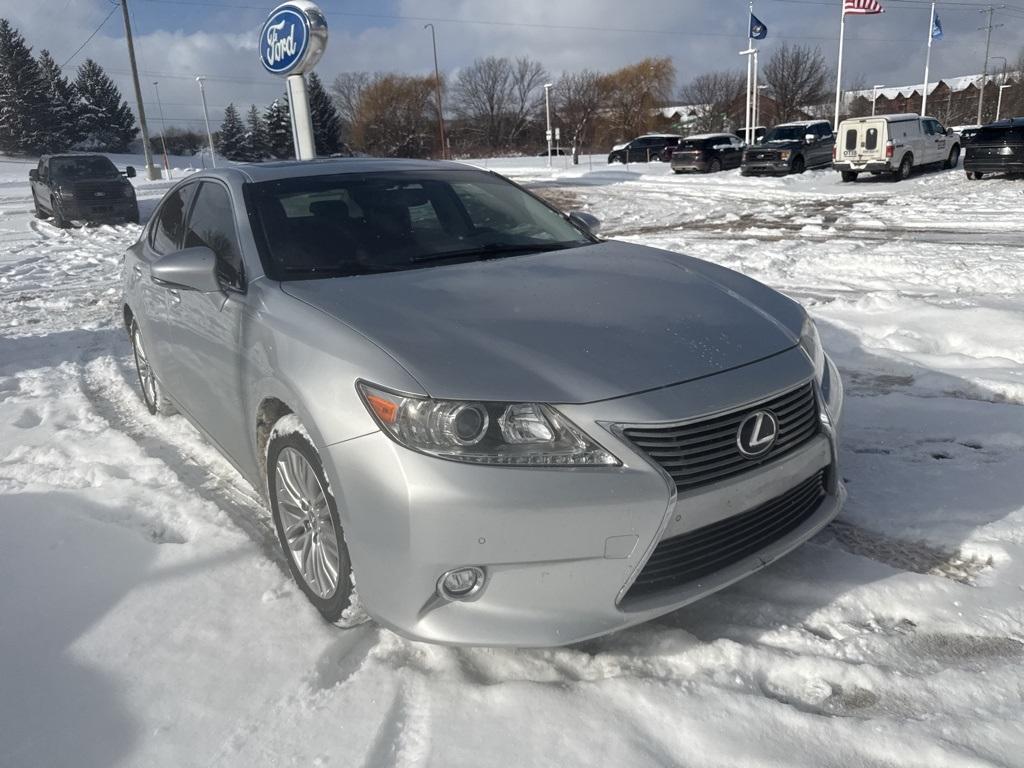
{"points": [[839, 69], [750, 65], [755, 117], [927, 63]]}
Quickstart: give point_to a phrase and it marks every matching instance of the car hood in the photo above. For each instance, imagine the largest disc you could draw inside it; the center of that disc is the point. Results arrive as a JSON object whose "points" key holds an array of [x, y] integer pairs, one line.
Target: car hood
{"points": [[572, 326], [788, 144], [95, 185]]}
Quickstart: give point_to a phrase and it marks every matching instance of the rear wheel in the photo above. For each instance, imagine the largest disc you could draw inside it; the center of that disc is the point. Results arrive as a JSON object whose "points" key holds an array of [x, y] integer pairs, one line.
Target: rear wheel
{"points": [[906, 166], [799, 166], [306, 518], [849, 175], [975, 175], [715, 165], [152, 392], [953, 159]]}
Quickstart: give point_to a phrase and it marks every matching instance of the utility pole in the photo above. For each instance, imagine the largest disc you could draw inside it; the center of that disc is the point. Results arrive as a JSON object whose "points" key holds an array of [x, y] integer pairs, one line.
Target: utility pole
{"points": [[547, 110], [437, 83], [152, 171], [988, 47], [206, 118]]}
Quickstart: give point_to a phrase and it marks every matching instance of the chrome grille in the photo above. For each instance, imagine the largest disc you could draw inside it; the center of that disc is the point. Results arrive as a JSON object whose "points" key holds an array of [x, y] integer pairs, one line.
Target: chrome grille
{"points": [[695, 554], [705, 451]]}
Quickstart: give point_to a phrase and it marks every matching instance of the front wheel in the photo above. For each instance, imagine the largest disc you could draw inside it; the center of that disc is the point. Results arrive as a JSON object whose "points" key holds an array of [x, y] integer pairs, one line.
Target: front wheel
{"points": [[953, 159], [849, 176], [306, 518], [799, 166]]}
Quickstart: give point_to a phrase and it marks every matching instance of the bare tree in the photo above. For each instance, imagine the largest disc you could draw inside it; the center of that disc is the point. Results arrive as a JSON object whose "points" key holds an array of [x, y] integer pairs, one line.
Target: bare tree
{"points": [[711, 96], [394, 116], [496, 99], [578, 97], [797, 77], [346, 91], [633, 92]]}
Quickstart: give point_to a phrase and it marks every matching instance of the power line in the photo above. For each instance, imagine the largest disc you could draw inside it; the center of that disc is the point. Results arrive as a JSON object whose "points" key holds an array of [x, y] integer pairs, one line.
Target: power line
{"points": [[90, 37]]}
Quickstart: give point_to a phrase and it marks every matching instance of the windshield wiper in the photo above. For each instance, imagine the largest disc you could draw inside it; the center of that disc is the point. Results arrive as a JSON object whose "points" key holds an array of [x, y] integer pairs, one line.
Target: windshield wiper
{"points": [[494, 250], [340, 271]]}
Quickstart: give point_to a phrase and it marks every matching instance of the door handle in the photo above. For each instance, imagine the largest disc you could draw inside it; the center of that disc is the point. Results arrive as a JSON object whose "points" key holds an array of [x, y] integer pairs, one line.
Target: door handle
{"points": [[175, 296]]}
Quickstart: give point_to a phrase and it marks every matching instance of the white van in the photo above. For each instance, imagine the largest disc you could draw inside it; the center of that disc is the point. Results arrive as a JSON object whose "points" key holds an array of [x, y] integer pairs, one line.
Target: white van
{"points": [[893, 144]]}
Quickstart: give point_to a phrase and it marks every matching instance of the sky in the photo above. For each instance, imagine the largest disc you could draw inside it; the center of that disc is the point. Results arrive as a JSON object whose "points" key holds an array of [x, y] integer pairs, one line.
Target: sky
{"points": [[177, 39]]}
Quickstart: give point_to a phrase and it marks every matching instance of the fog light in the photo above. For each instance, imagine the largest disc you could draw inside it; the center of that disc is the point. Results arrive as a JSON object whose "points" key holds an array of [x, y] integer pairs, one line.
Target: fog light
{"points": [[461, 583]]}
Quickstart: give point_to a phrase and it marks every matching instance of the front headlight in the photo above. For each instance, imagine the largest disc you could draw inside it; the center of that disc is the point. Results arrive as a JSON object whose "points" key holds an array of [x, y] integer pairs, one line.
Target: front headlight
{"points": [[65, 192], [784, 154], [810, 342], [519, 434]]}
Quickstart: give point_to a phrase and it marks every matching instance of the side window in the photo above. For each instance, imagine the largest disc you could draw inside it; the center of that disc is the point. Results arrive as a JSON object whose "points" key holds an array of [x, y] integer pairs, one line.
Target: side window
{"points": [[871, 138], [851, 138], [168, 229], [42, 170], [823, 130], [212, 223]]}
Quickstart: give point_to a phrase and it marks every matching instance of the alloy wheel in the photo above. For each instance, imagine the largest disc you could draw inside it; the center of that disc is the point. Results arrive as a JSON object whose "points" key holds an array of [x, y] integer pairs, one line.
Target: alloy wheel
{"points": [[306, 522], [147, 380]]}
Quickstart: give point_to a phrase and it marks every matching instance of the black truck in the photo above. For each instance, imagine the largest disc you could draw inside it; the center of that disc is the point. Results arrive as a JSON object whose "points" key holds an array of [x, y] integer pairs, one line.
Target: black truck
{"points": [[83, 187]]}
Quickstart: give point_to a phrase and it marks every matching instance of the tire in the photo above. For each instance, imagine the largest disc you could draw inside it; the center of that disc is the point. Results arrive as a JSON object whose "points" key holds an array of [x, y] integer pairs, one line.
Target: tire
{"points": [[799, 165], [308, 528], [675, 171], [58, 215], [133, 217], [39, 212], [849, 176], [714, 166], [975, 175], [152, 391], [953, 159], [906, 166]]}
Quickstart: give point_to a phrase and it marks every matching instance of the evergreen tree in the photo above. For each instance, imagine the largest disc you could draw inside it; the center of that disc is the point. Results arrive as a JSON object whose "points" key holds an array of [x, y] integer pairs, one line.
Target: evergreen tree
{"points": [[257, 146], [107, 122], [326, 122], [23, 101], [63, 127], [278, 122], [231, 138]]}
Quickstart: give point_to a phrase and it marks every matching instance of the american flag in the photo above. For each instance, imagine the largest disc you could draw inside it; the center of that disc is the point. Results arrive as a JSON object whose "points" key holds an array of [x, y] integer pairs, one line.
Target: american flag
{"points": [[862, 7]]}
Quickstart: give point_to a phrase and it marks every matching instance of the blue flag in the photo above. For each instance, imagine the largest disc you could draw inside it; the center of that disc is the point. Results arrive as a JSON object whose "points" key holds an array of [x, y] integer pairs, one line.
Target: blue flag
{"points": [[758, 31], [937, 29]]}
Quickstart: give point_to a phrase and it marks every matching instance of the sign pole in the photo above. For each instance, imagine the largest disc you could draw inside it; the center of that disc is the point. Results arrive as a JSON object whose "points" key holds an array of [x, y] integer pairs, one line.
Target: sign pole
{"points": [[927, 63], [302, 119], [839, 69]]}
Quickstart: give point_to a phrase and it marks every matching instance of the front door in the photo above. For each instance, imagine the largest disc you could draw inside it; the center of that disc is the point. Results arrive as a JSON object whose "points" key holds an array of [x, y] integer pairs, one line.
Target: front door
{"points": [[207, 328]]}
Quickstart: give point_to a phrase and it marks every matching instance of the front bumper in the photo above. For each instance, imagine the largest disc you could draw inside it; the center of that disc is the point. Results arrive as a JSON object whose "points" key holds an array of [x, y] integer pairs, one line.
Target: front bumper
{"points": [[766, 168], [100, 210], [560, 547]]}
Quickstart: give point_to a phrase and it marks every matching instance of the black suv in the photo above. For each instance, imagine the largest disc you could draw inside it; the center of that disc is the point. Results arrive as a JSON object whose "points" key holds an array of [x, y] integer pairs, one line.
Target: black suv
{"points": [[82, 187], [643, 149], [790, 148], [996, 148], [708, 153]]}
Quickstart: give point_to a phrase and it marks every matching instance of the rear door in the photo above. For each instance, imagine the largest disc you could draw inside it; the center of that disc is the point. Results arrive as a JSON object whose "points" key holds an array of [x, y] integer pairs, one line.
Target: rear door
{"points": [[861, 141], [823, 146]]}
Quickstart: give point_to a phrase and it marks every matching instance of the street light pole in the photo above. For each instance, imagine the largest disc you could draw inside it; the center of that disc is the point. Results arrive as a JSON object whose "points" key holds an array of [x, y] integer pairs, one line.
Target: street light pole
{"points": [[547, 110], [206, 117], [163, 127], [999, 101], [988, 47], [874, 97], [437, 84]]}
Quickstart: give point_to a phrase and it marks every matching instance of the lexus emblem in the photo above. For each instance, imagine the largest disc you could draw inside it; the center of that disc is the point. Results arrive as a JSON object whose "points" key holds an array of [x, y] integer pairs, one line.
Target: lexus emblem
{"points": [[757, 434]]}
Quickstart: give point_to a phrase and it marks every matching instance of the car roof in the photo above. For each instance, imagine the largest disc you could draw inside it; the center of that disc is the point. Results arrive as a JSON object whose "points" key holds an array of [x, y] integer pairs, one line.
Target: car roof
{"points": [[287, 169], [73, 154], [659, 136], [701, 136], [1006, 122], [800, 122], [891, 118]]}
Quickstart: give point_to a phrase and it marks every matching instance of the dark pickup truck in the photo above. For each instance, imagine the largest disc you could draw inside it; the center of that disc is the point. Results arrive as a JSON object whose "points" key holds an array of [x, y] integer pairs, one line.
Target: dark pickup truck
{"points": [[82, 187]]}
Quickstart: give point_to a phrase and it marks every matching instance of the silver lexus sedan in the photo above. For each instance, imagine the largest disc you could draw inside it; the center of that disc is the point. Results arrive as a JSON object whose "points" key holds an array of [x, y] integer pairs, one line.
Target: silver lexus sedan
{"points": [[503, 429]]}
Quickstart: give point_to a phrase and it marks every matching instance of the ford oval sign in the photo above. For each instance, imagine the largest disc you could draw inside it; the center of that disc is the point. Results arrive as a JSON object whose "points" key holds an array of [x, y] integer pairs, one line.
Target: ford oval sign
{"points": [[293, 38]]}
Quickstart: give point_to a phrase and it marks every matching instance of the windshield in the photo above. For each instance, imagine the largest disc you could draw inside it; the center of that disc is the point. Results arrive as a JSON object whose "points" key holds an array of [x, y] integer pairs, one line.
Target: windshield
{"points": [[787, 133], [354, 224], [91, 167]]}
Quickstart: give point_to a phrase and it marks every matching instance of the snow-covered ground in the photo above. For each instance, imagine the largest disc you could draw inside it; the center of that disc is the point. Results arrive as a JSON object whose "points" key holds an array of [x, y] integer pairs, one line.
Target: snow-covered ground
{"points": [[146, 618]]}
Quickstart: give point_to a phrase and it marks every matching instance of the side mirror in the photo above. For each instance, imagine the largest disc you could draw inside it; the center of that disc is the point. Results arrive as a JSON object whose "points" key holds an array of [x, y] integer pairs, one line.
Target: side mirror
{"points": [[130, 171], [33, 175], [193, 268], [949, 131], [810, 138], [586, 220]]}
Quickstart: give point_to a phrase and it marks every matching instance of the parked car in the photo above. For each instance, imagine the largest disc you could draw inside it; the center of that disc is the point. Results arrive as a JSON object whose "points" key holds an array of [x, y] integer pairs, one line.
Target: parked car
{"points": [[996, 148], [790, 148], [894, 144], [82, 187], [708, 153], [506, 431], [643, 149], [967, 134]]}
